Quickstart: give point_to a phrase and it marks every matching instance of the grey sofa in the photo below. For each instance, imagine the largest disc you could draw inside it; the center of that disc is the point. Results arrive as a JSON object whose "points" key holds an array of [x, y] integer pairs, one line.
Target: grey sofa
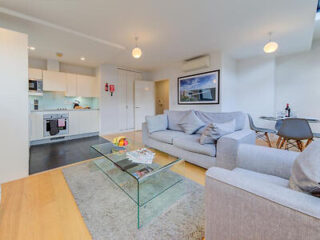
{"points": [[175, 142], [253, 201]]}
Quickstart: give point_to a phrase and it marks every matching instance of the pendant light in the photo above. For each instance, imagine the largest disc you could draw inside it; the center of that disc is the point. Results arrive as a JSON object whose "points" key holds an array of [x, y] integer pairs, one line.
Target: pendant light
{"points": [[271, 46], [136, 52]]}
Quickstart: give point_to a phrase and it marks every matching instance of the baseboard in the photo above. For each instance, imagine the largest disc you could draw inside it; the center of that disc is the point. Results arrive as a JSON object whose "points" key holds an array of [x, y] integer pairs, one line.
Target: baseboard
{"points": [[63, 138]]}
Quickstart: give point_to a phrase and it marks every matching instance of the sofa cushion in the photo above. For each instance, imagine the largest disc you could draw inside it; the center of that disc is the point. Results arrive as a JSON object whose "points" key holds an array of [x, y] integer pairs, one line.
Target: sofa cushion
{"points": [[216, 130], [174, 118], [157, 123], [221, 117], [190, 123], [260, 176], [167, 136], [191, 143], [305, 173]]}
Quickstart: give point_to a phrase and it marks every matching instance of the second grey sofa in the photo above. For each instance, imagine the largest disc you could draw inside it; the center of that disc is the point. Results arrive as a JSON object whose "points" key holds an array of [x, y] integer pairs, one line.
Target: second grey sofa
{"points": [[253, 201], [177, 143]]}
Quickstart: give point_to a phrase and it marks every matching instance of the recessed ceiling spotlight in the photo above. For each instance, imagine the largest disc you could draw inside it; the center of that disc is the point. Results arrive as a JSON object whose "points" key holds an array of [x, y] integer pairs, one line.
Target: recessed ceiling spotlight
{"points": [[271, 46], [31, 48], [82, 58]]}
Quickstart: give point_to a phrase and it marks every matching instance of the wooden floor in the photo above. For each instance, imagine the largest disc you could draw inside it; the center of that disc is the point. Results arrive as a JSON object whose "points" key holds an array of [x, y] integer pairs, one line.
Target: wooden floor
{"points": [[42, 207]]}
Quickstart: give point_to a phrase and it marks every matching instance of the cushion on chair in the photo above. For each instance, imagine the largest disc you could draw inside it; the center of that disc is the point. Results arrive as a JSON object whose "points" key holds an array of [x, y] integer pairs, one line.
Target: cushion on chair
{"points": [[167, 136], [305, 174], [190, 123], [216, 130], [174, 118], [263, 177], [157, 123], [191, 143]]}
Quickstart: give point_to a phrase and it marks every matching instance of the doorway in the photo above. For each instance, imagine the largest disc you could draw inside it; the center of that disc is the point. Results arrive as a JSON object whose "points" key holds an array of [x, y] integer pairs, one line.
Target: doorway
{"points": [[144, 101], [162, 96]]}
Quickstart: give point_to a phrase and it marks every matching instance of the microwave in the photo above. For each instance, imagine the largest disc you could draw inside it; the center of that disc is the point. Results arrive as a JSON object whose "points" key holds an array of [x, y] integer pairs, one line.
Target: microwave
{"points": [[35, 85]]}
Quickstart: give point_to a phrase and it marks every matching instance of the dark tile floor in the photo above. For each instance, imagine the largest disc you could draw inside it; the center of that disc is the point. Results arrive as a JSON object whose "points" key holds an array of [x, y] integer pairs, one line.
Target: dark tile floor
{"points": [[53, 155]]}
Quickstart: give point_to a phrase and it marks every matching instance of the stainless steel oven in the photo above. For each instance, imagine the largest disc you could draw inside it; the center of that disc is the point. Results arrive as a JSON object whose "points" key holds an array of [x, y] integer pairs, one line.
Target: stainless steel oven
{"points": [[55, 124]]}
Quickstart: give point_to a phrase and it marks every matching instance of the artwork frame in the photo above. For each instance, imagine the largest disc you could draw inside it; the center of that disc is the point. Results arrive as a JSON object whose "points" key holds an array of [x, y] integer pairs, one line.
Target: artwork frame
{"points": [[207, 83]]}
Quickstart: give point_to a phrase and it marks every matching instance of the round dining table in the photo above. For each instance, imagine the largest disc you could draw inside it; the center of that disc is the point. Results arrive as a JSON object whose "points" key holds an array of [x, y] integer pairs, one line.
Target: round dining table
{"points": [[275, 119], [278, 122]]}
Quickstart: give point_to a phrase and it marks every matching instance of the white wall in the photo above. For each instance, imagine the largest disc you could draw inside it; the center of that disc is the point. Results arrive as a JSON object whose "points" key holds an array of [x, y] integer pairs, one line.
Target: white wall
{"points": [[110, 106], [14, 144], [70, 68], [246, 85], [298, 83], [37, 63], [228, 84], [260, 86], [255, 89], [109, 112], [173, 71], [64, 67]]}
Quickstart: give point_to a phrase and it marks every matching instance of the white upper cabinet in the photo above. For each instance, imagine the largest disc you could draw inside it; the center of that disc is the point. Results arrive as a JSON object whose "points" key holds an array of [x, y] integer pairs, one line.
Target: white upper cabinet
{"points": [[54, 81], [86, 86], [71, 85], [35, 74]]}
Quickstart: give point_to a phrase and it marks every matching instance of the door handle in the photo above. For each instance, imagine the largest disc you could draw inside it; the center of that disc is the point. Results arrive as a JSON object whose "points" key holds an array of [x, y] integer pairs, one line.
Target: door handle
{"points": [[137, 107]]}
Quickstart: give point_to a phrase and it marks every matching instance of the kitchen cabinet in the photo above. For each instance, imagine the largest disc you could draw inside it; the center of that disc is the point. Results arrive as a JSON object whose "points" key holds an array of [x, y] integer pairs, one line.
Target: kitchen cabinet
{"points": [[71, 85], [35, 74], [83, 121], [54, 81], [36, 126], [80, 122], [86, 86]]}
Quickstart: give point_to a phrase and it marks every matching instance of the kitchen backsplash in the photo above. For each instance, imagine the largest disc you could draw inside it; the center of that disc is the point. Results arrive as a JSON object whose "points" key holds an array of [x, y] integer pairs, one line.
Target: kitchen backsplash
{"points": [[54, 100]]}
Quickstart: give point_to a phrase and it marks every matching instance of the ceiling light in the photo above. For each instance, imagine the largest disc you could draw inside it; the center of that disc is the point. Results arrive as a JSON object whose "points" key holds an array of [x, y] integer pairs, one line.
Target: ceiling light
{"points": [[136, 52], [82, 58], [271, 46], [31, 48]]}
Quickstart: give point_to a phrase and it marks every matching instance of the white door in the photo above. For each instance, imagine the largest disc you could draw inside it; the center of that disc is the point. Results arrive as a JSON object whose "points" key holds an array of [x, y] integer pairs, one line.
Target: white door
{"points": [[144, 101], [130, 76], [122, 92]]}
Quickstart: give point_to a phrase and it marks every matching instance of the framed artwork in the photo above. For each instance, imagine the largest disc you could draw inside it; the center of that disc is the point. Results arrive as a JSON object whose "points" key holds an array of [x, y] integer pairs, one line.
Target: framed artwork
{"points": [[201, 88]]}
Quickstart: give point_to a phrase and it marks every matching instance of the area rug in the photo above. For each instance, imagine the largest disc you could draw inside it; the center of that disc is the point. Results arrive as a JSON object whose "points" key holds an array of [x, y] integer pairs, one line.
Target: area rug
{"points": [[110, 214]]}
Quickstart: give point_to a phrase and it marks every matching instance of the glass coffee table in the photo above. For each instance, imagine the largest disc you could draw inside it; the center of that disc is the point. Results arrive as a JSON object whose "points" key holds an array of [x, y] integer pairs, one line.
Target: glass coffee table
{"points": [[153, 192]]}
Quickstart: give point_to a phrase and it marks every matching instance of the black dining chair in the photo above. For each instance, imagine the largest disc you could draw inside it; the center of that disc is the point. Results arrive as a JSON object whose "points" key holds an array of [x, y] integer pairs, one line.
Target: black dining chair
{"points": [[293, 131], [262, 133]]}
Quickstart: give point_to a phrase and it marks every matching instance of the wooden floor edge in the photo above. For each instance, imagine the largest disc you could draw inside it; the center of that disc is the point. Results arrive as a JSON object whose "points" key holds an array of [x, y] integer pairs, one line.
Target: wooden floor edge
{"points": [[64, 178], [51, 170]]}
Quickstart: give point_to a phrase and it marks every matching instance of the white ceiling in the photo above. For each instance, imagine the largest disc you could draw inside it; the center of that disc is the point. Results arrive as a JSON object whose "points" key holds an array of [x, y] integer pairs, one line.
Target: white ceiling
{"points": [[168, 30]]}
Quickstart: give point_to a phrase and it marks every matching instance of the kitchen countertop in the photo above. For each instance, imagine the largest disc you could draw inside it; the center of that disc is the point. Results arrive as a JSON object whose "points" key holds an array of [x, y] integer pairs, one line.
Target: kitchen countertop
{"points": [[64, 110]]}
